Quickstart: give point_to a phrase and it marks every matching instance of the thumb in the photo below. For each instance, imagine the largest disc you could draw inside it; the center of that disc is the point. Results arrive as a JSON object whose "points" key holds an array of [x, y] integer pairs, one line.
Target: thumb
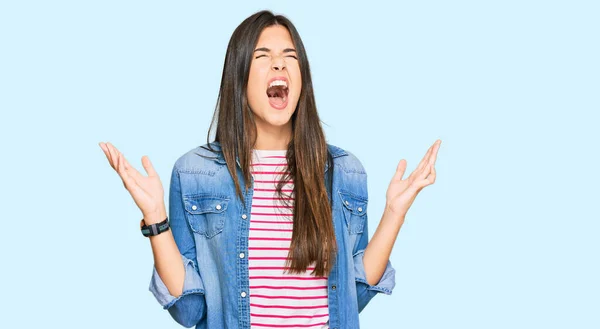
{"points": [[400, 170], [148, 166]]}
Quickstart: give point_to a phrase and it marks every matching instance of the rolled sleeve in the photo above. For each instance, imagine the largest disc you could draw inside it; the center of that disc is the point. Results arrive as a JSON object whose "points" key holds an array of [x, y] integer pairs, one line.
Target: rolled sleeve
{"points": [[386, 283], [365, 291], [192, 284]]}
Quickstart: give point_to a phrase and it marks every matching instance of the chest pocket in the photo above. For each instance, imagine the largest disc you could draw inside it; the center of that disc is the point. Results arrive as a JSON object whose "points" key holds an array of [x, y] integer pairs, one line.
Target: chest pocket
{"points": [[206, 213], [354, 209]]}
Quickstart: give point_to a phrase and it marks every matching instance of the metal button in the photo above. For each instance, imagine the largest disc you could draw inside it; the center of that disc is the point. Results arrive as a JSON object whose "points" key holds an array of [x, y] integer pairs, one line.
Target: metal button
{"points": [[194, 207], [359, 209], [243, 294], [347, 203], [218, 207], [244, 216], [242, 255], [333, 287]]}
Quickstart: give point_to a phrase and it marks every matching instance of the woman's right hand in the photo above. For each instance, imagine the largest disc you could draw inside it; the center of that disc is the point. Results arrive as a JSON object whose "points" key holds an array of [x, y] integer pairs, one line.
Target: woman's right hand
{"points": [[147, 191]]}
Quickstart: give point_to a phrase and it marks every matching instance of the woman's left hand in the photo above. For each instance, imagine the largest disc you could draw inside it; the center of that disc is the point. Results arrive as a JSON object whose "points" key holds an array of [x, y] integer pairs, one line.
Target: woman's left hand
{"points": [[402, 192]]}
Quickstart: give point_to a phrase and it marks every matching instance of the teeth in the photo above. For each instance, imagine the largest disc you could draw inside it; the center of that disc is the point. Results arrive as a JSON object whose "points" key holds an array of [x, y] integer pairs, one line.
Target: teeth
{"points": [[278, 83]]}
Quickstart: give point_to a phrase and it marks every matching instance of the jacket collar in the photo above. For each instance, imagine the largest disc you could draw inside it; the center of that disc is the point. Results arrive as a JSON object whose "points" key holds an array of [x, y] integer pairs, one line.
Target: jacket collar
{"points": [[220, 159]]}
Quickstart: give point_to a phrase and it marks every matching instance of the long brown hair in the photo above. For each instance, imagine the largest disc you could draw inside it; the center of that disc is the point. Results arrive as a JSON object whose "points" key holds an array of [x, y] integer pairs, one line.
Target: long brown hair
{"points": [[313, 237]]}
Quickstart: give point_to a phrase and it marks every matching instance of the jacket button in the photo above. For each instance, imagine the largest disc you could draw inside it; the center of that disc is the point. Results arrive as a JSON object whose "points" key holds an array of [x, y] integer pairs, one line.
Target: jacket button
{"points": [[333, 287], [347, 203], [242, 255], [359, 209], [218, 207], [194, 207], [244, 216], [243, 294]]}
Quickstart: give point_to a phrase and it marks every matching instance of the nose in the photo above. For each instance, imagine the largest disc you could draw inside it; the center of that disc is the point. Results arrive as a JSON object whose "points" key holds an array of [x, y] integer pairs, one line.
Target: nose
{"points": [[278, 63]]}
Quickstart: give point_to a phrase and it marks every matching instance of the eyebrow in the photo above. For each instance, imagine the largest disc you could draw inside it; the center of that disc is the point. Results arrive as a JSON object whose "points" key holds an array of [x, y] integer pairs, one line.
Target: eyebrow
{"points": [[265, 49]]}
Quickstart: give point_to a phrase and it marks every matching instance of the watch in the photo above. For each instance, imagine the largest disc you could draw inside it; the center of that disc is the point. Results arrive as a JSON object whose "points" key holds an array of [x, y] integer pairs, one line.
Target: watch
{"points": [[154, 229]]}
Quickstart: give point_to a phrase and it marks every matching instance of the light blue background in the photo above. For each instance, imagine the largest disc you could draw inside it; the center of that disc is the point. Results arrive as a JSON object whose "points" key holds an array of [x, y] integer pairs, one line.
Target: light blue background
{"points": [[507, 237]]}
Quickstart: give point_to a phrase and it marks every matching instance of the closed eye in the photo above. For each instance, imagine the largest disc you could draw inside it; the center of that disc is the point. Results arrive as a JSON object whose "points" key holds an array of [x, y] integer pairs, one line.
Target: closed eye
{"points": [[259, 56], [292, 56]]}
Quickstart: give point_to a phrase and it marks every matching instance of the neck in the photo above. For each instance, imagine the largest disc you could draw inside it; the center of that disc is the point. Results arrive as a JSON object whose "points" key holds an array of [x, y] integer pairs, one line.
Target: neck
{"points": [[273, 138]]}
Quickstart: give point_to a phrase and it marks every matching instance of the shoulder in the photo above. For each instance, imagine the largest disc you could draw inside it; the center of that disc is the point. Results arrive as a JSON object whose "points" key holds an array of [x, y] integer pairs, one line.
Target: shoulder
{"points": [[199, 158], [346, 160]]}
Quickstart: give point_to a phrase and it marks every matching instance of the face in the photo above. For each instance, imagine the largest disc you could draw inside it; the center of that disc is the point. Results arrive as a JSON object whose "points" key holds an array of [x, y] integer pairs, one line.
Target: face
{"points": [[274, 83]]}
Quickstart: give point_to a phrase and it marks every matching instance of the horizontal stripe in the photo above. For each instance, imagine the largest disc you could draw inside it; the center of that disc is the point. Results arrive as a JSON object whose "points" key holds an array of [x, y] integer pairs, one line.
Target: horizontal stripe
{"points": [[289, 316], [265, 214], [289, 297], [271, 239], [270, 229], [288, 287], [287, 325], [275, 157], [267, 248], [288, 277], [273, 268], [272, 222], [270, 164], [272, 190], [290, 307], [271, 198], [265, 206]]}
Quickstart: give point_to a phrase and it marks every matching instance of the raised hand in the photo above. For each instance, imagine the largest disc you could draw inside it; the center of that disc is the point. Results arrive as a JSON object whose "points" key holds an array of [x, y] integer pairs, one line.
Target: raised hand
{"points": [[147, 191], [402, 192]]}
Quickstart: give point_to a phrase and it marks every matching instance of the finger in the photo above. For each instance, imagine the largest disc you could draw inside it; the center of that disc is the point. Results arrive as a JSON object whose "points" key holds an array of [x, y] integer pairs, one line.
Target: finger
{"points": [[436, 148], [432, 175], [148, 166], [421, 184], [131, 170], [423, 174], [129, 183], [400, 169], [113, 155], [421, 167], [425, 159], [106, 153]]}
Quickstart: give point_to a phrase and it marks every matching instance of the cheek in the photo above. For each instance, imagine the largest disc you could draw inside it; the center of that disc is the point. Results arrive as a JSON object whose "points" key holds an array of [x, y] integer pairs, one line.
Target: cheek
{"points": [[254, 82], [297, 78]]}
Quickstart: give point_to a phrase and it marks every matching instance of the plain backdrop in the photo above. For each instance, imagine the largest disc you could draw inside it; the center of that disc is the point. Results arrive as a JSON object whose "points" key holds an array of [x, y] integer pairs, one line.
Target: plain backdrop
{"points": [[507, 237]]}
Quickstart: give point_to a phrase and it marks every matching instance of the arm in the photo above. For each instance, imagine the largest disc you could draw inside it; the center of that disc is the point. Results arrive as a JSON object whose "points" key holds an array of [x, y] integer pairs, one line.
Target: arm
{"points": [[176, 282], [373, 273], [373, 270], [377, 253]]}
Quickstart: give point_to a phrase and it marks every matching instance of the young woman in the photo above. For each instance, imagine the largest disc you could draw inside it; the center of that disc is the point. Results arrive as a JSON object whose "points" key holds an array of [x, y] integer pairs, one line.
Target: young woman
{"points": [[267, 224]]}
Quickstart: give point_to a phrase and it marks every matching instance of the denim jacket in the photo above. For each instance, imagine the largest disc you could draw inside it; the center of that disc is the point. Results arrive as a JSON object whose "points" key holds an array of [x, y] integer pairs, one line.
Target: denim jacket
{"points": [[210, 225]]}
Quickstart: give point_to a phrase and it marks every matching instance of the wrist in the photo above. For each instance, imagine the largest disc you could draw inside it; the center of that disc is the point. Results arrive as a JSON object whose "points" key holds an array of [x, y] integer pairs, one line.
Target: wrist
{"points": [[154, 217], [389, 212]]}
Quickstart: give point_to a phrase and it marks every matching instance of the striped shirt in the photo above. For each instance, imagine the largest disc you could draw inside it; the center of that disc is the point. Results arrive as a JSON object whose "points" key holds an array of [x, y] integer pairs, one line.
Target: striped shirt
{"points": [[278, 299]]}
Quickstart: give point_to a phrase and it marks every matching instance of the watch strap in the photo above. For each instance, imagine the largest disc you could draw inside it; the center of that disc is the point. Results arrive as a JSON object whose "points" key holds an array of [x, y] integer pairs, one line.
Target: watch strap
{"points": [[156, 228]]}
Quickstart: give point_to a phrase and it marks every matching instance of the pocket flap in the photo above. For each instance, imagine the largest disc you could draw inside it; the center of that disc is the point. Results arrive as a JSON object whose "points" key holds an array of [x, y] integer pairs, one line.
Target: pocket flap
{"points": [[200, 204], [356, 204]]}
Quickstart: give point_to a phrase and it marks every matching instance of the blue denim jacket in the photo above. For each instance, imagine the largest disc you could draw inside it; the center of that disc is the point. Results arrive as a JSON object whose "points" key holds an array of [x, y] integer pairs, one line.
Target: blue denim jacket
{"points": [[211, 226]]}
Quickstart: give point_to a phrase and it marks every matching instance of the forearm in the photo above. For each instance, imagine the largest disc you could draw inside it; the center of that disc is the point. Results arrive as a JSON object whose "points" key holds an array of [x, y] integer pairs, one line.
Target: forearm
{"points": [[167, 259], [377, 252]]}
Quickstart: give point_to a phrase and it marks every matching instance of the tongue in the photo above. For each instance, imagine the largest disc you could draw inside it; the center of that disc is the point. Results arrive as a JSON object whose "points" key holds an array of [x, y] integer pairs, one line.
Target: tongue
{"points": [[276, 101]]}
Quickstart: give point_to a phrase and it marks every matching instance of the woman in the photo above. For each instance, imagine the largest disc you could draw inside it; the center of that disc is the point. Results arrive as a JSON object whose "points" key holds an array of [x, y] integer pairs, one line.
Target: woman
{"points": [[267, 224]]}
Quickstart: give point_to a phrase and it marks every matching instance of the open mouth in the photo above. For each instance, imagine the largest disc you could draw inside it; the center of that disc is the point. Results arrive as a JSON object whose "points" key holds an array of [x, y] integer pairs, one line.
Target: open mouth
{"points": [[278, 93]]}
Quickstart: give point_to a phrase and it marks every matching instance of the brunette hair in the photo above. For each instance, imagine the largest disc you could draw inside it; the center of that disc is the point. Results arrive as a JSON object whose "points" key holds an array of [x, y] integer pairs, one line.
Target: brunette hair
{"points": [[313, 237]]}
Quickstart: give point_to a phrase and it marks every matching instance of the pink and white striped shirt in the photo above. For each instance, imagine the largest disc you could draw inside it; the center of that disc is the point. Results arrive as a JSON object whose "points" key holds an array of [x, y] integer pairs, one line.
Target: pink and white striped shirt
{"points": [[278, 299]]}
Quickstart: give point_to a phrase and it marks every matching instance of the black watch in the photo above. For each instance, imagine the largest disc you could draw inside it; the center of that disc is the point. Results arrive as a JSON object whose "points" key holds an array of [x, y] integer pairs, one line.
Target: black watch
{"points": [[155, 229]]}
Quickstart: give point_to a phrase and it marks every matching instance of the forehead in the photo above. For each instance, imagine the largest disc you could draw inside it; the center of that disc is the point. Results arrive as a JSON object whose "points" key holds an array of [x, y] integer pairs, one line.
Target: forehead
{"points": [[275, 36]]}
